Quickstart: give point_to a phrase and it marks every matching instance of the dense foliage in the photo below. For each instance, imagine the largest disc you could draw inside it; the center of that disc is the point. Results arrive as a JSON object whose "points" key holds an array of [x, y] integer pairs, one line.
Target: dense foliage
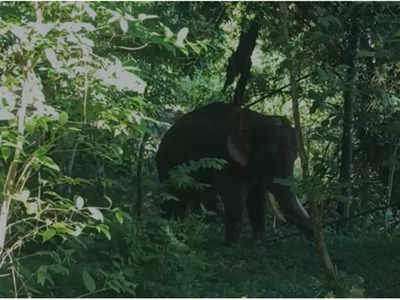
{"points": [[87, 90]]}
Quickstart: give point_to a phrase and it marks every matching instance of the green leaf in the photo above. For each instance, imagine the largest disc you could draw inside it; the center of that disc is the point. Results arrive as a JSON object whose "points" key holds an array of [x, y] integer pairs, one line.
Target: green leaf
{"points": [[32, 208], [5, 115], [103, 228], [119, 217], [52, 58], [48, 234], [23, 195], [42, 275], [79, 202], [63, 118], [42, 122], [124, 25], [95, 213], [5, 152], [49, 163], [88, 281], [62, 228], [181, 36], [168, 32], [143, 17]]}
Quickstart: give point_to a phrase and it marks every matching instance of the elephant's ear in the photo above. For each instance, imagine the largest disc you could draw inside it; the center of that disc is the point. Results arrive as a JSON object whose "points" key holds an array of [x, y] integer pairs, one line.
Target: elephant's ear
{"points": [[238, 139]]}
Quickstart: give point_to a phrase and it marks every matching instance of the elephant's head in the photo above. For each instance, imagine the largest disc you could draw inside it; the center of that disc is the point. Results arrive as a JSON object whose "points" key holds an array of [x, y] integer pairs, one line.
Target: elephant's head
{"points": [[265, 146]]}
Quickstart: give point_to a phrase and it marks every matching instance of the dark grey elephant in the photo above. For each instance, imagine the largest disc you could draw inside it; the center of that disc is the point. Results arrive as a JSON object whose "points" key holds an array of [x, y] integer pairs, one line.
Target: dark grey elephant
{"points": [[258, 149]]}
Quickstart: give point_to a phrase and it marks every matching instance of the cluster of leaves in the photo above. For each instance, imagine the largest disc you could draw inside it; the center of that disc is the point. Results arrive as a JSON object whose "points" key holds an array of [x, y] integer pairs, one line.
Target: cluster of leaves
{"points": [[180, 176], [144, 258], [51, 63]]}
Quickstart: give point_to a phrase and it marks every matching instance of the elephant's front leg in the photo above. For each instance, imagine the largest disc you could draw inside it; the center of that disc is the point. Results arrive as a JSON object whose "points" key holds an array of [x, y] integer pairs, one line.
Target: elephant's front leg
{"points": [[256, 210], [233, 193]]}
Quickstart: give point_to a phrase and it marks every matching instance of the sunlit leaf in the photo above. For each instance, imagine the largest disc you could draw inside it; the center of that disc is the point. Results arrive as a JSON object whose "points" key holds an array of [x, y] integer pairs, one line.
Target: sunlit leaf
{"points": [[63, 228], [23, 195], [43, 28], [52, 58], [7, 98], [79, 202], [129, 17], [5, 153], [32, 208], [105, 230], [181, 36], [95, 213], [5, 115], [143, 17], [115, 16], [168, 32], [63, 118], [123, 23], [49, 163], [48, 234], [119, 217], [20, 32]]}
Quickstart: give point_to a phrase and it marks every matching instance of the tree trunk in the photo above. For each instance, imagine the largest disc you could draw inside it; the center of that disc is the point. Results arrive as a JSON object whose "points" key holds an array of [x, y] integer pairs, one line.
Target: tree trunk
{"points": [[349, 98], [318, 233]]}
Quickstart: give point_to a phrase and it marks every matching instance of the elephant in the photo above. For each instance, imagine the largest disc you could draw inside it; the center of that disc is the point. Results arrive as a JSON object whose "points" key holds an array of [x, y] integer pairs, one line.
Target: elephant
{"points": [[257, 149]]}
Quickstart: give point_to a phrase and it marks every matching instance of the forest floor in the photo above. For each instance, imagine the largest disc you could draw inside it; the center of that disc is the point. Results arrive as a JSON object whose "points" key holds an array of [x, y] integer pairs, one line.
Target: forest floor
{"points": [[290, 268]]}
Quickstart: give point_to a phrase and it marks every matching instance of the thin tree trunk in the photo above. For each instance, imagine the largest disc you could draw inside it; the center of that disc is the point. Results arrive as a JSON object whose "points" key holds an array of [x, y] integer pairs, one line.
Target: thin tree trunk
{"points": [[10, 184], [349, 98], [319, 239]]}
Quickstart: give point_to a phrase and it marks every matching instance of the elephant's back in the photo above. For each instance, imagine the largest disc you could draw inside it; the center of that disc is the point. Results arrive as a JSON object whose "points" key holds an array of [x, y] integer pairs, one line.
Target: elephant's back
{"points": [[198, 134]]}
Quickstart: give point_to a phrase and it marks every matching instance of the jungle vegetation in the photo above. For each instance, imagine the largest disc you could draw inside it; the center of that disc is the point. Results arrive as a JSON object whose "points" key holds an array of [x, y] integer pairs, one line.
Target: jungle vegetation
{"points": [[87, 90]]}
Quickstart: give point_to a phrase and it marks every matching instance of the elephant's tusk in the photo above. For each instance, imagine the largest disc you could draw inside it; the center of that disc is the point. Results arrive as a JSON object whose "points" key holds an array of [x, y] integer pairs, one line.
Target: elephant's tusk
{"points": [[303, 210], [275, 207]]}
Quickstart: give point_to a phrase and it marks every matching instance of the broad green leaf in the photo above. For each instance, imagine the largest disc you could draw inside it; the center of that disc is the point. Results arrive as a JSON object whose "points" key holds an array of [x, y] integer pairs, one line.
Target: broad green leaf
{"points": [[63, 228], [23, 195], [48, 234], [63, 118], [32, 208], [181, 36], [43, 28], [79, 202], [49, 163], [5, 115], [42, 275], [119, 217], [115, 16], [123, 23], [88, 281], [5, 152], [20, 32], [104, 229], [168, 32], [95, 213], [52, 58], [8, 97], [42, 122]]}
